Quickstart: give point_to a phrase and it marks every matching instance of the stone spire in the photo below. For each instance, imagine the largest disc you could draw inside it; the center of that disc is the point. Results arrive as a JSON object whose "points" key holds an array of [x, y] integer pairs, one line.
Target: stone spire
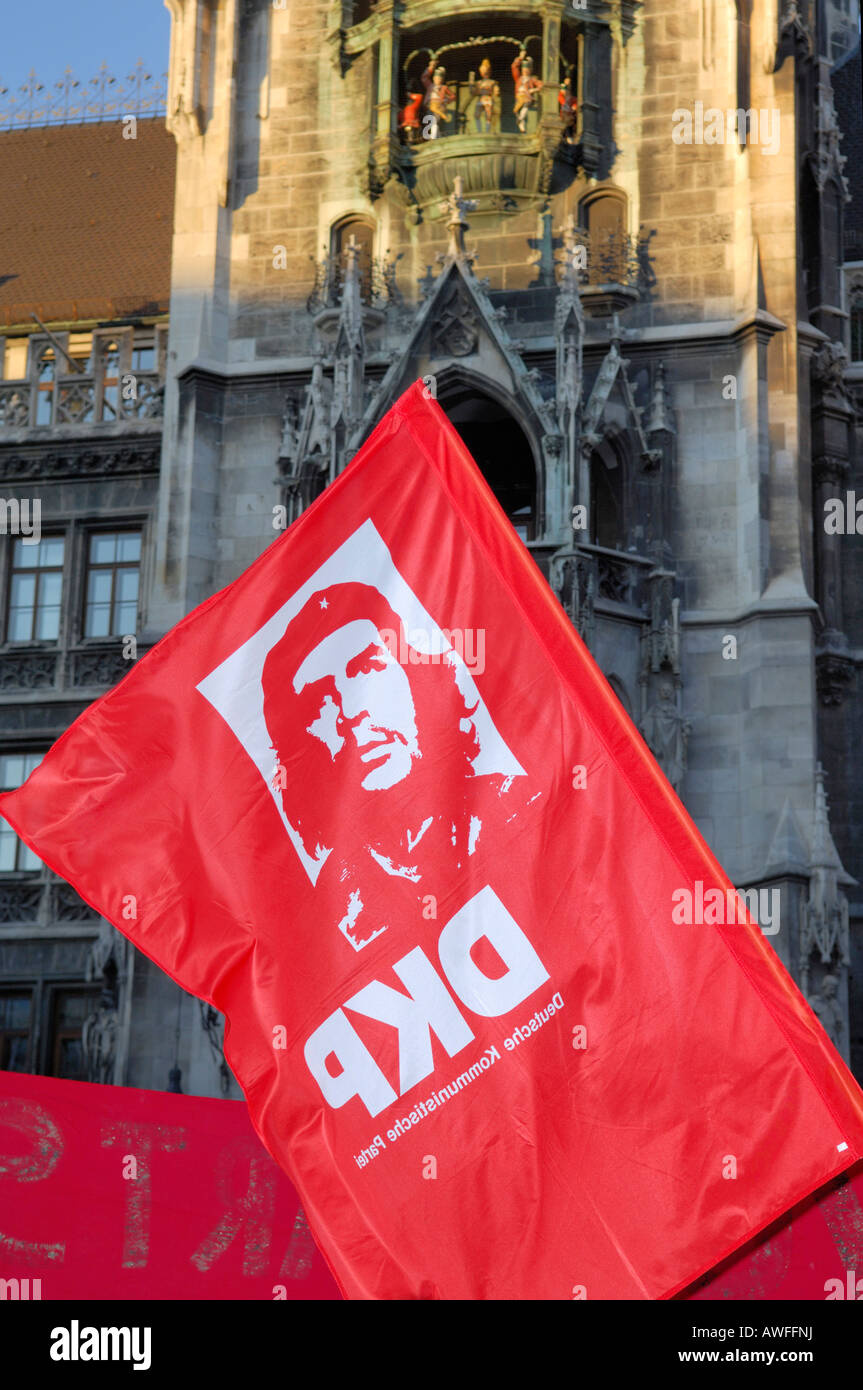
{"points": [[350, 350], [659, 419], [572, 257], [351, 315], [569, 340], [456, 205], [824, 928]]}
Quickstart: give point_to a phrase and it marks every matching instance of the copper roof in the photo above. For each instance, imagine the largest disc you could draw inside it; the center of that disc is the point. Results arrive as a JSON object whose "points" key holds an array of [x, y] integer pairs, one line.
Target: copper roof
{"points": [[85, 222]]}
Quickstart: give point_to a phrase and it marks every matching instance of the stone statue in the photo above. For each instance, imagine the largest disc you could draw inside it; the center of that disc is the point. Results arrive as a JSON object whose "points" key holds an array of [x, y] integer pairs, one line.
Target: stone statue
{"points": [[99, 1041], [437, 101], [666, 734], [486, 94], [527, 89], [827, 1009]]}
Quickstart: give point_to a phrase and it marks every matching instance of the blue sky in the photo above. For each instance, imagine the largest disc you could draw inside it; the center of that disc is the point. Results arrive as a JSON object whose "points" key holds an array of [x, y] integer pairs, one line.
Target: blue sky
{"points": [[51, 35]]}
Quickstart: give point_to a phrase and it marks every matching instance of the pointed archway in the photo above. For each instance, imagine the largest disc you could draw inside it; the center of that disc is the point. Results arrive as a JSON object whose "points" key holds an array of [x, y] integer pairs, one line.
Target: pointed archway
{"points": [[499, 445]]}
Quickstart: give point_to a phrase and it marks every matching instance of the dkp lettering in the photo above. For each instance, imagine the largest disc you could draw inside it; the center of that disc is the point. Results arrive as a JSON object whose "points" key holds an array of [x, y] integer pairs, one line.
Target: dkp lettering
{"points": [[427, 1007]]}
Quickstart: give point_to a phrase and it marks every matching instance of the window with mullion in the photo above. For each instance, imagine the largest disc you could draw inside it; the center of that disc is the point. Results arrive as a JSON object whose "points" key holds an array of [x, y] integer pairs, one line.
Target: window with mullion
{"points": [[15, 856], [35, 590], [113, 574], [16, 1007], [143, 355], [44, 373]]}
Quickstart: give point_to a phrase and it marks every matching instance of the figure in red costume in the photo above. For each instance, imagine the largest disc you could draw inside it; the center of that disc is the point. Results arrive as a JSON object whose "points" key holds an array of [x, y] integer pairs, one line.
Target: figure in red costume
{"points": [[568, 107], [527, 89], [409, 116]]}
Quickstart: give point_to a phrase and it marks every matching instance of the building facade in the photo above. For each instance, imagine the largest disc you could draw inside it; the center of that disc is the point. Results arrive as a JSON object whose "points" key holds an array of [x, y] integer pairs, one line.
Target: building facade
{"points": [[642, 310]]}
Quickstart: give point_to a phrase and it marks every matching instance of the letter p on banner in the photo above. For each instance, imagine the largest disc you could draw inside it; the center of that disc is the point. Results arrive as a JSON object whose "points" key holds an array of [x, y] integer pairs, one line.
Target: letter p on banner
{"points": [[305, 898]]}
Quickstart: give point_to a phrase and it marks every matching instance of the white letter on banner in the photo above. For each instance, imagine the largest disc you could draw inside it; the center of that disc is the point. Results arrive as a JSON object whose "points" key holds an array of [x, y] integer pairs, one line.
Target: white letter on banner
{"points": [[485, 916], [360, 1075], [427, 1006]]}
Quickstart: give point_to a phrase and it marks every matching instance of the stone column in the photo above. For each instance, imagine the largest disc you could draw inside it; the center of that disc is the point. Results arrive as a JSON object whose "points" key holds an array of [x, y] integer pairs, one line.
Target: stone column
{"points": [[385, 138]]}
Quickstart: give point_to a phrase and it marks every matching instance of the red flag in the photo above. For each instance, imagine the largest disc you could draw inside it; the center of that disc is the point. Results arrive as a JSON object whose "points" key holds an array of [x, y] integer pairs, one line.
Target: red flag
{"points": [[376, 802]]}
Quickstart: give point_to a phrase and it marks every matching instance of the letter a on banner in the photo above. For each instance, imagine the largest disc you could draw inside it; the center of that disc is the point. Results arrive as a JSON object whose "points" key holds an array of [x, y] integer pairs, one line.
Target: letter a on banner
{"points": [[306, 762]]}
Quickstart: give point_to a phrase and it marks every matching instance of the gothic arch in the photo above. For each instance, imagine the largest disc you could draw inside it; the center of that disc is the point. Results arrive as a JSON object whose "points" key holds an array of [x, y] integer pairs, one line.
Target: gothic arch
{"points": [[612, 491], [604, 213], [364, 228], [473, 403], [604, 203]]}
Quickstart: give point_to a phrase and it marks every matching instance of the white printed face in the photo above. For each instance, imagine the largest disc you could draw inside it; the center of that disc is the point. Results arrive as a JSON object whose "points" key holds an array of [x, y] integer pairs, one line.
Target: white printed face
{"points": [[373, 702]]}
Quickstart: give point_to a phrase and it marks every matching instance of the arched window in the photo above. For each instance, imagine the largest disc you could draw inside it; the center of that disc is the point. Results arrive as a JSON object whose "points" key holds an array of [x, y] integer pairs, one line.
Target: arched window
{"points": [[606, 500], [603, 214], [46, 368], [362, 229], [857, 326]]}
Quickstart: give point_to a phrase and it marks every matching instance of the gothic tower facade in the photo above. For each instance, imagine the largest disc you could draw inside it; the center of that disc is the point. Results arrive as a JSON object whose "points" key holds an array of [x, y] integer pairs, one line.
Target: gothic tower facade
{"points": [[627, 297], [616, 240]]}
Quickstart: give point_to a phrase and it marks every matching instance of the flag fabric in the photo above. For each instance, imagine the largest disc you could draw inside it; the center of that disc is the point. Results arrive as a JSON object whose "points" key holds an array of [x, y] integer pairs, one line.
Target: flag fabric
{"points": [[376, 803], [110, 1192]]}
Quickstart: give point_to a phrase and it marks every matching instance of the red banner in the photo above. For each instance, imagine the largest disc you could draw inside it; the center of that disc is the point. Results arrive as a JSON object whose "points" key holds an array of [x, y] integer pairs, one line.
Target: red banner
{"points": [[107, 1192], [815, 1254], [204, 1213], [376, 802]]}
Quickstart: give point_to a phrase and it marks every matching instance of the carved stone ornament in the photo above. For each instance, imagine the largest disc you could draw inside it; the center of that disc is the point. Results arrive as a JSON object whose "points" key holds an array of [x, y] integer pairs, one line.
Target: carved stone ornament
{"points": [[827, 161], [794, 32], [19, 902], [456, 332], [100, 667], [834, 677], [68, 907], [72, 462], [28, 670], [829, 365]]}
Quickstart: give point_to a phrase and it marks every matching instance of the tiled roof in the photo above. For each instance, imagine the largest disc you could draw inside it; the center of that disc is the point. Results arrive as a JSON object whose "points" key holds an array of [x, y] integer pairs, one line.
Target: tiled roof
{"points": [[85, 222], [847, 80]]}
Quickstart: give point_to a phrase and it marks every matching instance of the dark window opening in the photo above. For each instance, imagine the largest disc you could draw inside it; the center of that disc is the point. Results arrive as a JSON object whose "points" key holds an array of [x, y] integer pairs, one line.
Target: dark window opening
{"points": [[364, 236], [501, 449], [606, 503], [70, 1010]]}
